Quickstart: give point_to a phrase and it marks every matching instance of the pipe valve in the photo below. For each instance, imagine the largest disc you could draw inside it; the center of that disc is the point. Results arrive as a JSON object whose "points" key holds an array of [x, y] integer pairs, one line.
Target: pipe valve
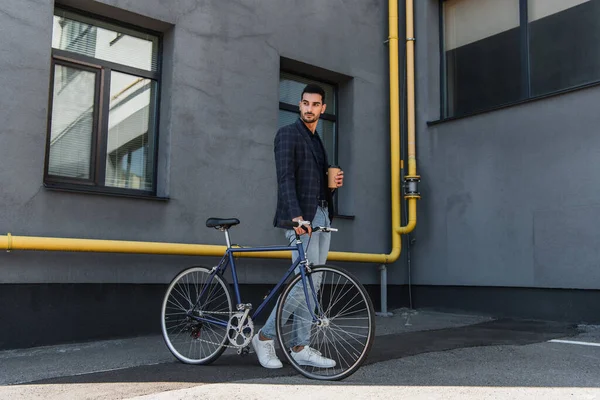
{"points": [[411, 190]]}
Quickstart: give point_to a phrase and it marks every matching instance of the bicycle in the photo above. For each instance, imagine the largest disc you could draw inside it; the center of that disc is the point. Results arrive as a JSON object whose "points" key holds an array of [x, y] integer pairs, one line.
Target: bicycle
{"points": [[200, 321]]}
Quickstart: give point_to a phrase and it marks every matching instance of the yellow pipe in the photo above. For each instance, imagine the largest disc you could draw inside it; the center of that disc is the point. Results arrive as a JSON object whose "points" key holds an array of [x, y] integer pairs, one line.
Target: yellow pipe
{"points": [[412, 217], [410, 89], [410, 117], [10, 242], [394, 128], [119, 246]]}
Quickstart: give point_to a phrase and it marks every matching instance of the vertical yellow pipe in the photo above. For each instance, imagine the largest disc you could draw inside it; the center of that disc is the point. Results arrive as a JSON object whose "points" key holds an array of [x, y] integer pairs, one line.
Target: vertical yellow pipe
{"points": [[410, 88], [394, 128], [410, 119]]}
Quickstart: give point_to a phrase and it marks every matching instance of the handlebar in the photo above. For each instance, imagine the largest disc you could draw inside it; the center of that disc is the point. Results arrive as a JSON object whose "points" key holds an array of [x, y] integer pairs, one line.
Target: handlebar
{"points": [[295, 224], [324, 229]]}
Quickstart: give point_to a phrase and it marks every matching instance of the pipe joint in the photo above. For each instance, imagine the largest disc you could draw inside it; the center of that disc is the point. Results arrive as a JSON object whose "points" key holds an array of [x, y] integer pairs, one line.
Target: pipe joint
{"points": [[411, 189]]}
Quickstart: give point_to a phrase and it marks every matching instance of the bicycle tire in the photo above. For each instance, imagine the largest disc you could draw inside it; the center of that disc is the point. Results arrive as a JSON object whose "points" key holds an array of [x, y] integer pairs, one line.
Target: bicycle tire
{"points": [[191, 341], [347, 328]]}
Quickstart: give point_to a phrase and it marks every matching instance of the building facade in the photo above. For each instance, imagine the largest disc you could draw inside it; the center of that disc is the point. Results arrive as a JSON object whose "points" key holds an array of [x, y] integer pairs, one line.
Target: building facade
{"points": [[507, 148], [139, 120]]}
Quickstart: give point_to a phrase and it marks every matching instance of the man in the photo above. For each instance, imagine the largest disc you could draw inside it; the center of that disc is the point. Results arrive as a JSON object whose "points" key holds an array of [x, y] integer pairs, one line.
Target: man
{"points": [[302, 194]]}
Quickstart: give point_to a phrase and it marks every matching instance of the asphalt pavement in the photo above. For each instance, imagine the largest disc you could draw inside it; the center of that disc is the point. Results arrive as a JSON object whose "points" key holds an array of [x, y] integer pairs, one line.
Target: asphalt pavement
{"points": [[417, 354]]}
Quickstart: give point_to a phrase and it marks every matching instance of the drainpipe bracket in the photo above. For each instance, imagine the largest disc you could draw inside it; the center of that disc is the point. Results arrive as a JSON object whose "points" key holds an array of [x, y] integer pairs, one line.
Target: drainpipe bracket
{"points": [[390, 38]]}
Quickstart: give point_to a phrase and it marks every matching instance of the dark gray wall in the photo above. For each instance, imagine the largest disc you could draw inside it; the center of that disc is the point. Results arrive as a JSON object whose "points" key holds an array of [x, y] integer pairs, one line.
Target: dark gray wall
{"points": [[510, 197], [218, 119]]}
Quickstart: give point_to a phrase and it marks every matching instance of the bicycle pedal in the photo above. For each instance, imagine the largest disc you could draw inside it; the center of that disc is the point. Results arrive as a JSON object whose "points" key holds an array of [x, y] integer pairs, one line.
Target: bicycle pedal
{"points": [[244, 351]]}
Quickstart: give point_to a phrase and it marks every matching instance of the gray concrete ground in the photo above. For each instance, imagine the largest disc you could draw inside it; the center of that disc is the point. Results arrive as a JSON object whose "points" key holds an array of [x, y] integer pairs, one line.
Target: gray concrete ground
{"points": [[417, 355]]}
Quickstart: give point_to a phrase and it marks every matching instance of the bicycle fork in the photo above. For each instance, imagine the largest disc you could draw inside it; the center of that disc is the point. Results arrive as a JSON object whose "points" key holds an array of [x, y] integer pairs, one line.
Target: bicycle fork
{"points": [[307, 283]]}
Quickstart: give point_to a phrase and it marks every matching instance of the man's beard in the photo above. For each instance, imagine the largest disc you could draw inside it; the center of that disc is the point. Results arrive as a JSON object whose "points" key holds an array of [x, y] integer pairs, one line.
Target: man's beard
{"points": [[311, 119]]}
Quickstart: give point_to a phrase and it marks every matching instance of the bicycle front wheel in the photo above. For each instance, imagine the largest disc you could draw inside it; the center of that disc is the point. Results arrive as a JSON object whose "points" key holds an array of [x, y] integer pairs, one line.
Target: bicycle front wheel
{"points": [[195, 312], [343, 331]]}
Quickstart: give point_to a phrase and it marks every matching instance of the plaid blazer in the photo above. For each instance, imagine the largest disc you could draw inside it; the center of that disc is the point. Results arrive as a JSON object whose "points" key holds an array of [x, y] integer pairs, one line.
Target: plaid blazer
{"points": [[298, 176]]}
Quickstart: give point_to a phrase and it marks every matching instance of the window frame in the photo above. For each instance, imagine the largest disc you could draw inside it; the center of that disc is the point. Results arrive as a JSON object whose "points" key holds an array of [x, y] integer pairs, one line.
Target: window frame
{"points": [[525, 76], [96, 183], [95, 123]]}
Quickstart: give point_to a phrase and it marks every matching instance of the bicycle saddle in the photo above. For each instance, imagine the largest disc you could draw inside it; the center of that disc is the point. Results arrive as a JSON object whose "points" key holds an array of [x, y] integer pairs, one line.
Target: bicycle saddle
{"points": [[224, 223]]}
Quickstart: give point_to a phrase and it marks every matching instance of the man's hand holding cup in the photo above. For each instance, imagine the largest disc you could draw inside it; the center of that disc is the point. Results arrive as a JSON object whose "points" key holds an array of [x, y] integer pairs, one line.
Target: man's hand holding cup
{"points": [[335, 177]]}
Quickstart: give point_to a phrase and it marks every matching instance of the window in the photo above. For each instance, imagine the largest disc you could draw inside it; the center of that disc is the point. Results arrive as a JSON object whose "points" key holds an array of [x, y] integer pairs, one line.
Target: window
{"points": [[499, 52], [563, 44], [102, 132], [290, 93]]}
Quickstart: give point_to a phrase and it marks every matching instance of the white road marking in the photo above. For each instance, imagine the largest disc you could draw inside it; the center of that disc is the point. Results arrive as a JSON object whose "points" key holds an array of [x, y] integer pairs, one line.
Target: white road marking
{"points": [[574, 342]]}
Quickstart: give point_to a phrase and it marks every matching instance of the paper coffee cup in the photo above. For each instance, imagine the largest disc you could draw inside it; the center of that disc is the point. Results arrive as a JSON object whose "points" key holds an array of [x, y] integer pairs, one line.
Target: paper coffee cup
{"points": [[331, 174]]}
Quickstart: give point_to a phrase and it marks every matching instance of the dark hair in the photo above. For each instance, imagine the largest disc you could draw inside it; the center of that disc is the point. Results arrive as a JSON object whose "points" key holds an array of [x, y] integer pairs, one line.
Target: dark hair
{"points": [[312, 88]]}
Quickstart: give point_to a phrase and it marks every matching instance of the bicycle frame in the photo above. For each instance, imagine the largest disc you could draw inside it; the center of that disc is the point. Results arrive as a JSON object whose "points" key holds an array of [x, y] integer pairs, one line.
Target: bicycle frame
{"points": [[228, 258]]}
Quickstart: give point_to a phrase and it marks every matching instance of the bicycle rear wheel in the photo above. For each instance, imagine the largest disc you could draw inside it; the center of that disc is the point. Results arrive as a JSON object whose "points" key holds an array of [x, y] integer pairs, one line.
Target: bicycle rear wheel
{"points": [[194, 293], [345, 325]]}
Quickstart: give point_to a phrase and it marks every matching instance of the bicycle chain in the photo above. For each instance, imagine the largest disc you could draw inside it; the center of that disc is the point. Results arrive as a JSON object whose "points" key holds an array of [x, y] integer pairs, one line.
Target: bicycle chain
{"points": [[218, 344], [226, 338]]}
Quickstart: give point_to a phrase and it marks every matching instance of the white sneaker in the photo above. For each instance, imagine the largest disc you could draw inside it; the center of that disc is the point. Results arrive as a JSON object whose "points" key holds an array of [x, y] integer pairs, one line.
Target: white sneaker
{"points": [[265, 350], [313, 358]]}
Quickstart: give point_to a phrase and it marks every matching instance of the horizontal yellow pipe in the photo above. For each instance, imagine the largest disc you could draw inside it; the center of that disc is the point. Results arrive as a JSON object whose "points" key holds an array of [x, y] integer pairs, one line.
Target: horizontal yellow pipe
{"points": [[10, 242]]}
